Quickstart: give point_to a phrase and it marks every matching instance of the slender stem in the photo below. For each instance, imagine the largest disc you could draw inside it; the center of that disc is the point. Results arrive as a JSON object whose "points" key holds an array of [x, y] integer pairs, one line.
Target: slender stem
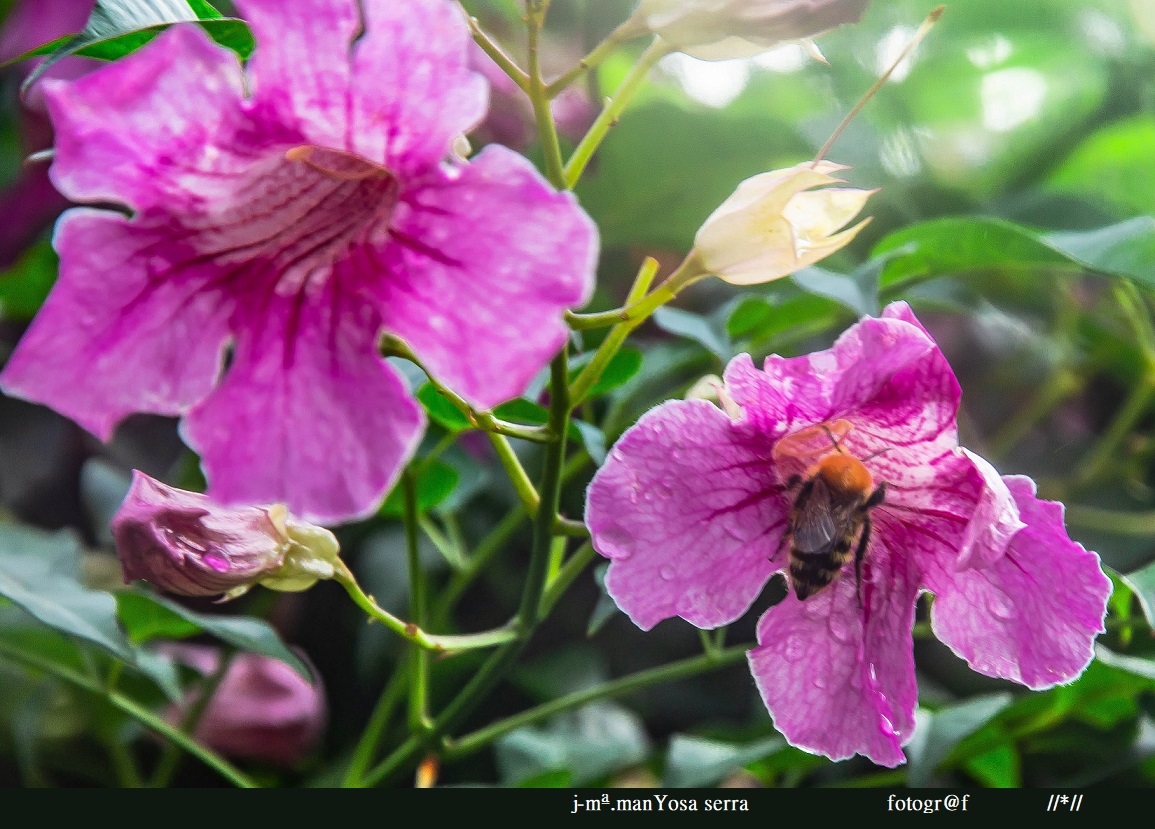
{"points": [[375, 730], [1137, 524], [413, 632], [522, 485], [141, 715], [539, 97], [642, 282], [491, 48], [418, 608], [569, 571], [169, 761], [629, 30], [613, 109], [1060, 386], [666, 673], [498, 664], [1107, 449]]}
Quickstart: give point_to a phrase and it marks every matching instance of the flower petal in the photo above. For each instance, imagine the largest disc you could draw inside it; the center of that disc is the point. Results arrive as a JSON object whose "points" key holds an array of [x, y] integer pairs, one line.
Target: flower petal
{"points": [[308, 414], [1032, 615], [995, 521], [101, 348], [397, 93], [481, 266], [130, 131], [838, 679], [688, 510]]}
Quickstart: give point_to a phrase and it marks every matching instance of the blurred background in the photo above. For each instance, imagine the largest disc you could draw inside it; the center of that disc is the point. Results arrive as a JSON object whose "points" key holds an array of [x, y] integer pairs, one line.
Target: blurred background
{"points": [[1014, 154]]}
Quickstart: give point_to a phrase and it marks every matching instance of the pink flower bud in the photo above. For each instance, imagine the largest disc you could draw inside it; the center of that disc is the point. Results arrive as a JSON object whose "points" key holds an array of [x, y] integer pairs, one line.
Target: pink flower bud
{"points": [[186, 543], [262, 709]]}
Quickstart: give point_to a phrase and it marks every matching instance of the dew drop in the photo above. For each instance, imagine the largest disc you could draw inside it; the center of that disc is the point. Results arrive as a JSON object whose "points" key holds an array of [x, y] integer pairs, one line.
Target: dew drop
{"points": [[667, 573], [1001, 606], [795, 649], [839, 629], [819, 682]]}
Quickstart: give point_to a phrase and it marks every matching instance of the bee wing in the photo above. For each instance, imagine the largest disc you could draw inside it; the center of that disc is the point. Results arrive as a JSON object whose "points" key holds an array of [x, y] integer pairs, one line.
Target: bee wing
{"points": [[814, 530]]}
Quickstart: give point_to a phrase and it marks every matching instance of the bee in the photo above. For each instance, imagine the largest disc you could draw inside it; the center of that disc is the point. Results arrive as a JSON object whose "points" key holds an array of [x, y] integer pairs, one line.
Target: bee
{"points": [[829, 519]]}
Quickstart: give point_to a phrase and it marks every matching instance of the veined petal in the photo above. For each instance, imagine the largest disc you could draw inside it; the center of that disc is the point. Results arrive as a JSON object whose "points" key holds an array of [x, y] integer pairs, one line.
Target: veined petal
{"points": [[131, 132], [995, 522], [308, 414], [149, 340], [838, 678], [1032, 614], [466, 250], [394, 86], [689, 512]]}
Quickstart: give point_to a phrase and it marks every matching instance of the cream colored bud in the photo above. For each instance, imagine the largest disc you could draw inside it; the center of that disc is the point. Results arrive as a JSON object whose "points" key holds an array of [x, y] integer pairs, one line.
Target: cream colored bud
{"points": [[775, 224]]}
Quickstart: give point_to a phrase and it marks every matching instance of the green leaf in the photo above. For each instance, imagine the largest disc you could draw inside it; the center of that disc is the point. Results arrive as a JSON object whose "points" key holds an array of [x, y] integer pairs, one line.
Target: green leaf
{"points": [[1142, 584], [694, 327], [118, 27], [436, 481], [25, 285], [441, 411], [938, 732], [748, 316], [40, 573], [606, 608], [857, 294], [999, 768], [528, 413], [1113, 165], [594, 441], [590, 743], [147, 616], [951, 246], [694, 762]]}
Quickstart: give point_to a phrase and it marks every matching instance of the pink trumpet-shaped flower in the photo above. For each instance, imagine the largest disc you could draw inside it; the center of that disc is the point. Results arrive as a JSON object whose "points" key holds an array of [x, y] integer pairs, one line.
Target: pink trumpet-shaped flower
{"points": [[285, 215], [694, 509]]}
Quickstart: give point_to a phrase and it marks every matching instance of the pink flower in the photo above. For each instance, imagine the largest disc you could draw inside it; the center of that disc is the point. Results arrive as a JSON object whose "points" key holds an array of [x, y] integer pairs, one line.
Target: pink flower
{"points": [[262, 709], [695, 506], [284, 215], [185, 543]]}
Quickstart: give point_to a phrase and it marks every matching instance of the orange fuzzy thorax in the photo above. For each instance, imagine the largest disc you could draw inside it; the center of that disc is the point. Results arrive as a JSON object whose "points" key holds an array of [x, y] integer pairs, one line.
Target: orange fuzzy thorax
{"points": [[845, 475]]}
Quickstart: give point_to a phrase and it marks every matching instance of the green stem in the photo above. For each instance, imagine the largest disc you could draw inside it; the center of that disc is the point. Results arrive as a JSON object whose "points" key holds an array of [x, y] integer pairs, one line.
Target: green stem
{"points": [[623, 33], [1106, 451], [1060, 386], [498, 664], [642, 282], [666, 673], [413, 632], [507, 64], [522, 485], [539, 97], [418, 607], [145, 717], [1137, 524], [613, 109], [375, 730], [169, 761], [569, 571]]}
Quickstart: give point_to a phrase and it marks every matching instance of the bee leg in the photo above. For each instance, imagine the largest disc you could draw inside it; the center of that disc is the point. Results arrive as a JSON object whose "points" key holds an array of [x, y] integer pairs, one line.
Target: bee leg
{"points": [[860, 554]]}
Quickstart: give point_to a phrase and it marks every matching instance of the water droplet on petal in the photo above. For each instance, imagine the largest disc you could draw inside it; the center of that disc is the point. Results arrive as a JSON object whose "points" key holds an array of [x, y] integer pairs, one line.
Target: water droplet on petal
{"points": [[839, 629], [819, 682], [795, 649], [667, 573], [1001, 606]]}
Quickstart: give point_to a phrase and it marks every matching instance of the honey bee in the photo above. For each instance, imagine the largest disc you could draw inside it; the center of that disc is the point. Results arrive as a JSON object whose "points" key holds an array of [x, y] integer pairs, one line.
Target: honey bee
{"points": [[829, 519]]}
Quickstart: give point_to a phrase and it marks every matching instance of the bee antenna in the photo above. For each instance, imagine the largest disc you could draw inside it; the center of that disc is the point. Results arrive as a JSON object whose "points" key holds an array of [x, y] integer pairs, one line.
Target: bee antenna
{"points": [[833, 439], [876, 454]]}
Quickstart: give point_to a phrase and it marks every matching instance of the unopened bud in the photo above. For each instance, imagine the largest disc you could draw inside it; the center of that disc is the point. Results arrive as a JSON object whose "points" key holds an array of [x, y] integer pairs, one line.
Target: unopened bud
{"points": [[775, 224], [187, 544]]}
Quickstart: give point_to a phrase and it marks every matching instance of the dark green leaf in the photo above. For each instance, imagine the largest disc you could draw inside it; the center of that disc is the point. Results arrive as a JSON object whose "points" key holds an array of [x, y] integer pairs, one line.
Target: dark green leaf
{"points": [[938, 732], [528, 413], [589, 743], [40, 573], [435, 482], [999, 768], [693, 762], [441, 411], [694, 327], [145, 617], [749, 315], [25, 285], [118, 27], [594, 441], [1142, 584], [621, 368], [855, 294]]}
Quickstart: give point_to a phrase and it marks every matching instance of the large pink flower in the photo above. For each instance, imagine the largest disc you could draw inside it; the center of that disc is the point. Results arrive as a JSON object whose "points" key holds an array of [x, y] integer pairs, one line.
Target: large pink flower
{"points": [[283, 216], [694, 508]]}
